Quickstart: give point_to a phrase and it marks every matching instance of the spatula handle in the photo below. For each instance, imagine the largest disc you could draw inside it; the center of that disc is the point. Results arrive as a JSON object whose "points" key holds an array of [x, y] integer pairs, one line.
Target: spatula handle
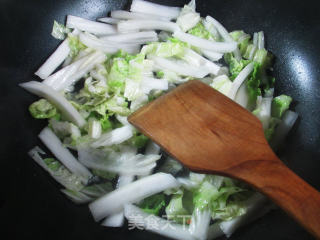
{"points": [[285, 188]]}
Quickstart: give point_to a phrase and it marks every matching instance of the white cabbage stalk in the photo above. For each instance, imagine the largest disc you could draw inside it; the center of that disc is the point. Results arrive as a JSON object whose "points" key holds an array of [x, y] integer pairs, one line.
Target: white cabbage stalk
{"points": [[68, 75], [187, 183], [199, 225], [221, 47], [179, 67], [288, 120], [54, 61], [260, 40], [221, 29], [263, 111], [90, 26], [197, 60], [255, 39], [242, 96], [155, 9], [138, 38], [164, 227], [109, 20], [115, 136], [134, 49], [148, 84], [253, 204], [105, 46], [54, 144], [69, 60], [57, 79], [61, 175], [125, 162], [137, 25], [214, 231], [252, 52], [56, 99], [125, 15], [146, 160], [188, 17], [151, 149], [63, 128], [114, 220], [114, 201], [124, 180], [211, 55], [117, 219], [104, 159], [223, 33], [242, 76], [94, 129]]}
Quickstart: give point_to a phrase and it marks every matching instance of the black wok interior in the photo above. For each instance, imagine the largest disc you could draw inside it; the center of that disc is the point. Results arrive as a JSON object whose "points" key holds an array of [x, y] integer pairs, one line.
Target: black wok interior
{"points": [[30, 202]]}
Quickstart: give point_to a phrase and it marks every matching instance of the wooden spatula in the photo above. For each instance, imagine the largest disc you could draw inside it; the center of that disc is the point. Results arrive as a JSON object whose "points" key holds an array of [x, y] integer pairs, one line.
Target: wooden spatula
{"points": [[209, 133]]}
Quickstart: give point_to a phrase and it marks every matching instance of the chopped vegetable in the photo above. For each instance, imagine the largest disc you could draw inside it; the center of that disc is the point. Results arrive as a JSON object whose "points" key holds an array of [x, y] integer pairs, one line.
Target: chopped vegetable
{"points": [[59, 31], [112, 68], [200, 31], [113, 202], [280, 104], [42, 109], [188, 16], [153, 204]]}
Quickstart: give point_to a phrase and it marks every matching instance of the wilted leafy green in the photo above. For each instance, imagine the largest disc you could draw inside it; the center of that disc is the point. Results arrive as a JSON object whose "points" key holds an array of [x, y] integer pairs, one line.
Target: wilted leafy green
{"points": [[222, 84], [138, 140], [52, 164], [153, 204], [105, 123], [104, 174], [200, 31], [175, 208], [75, 45], [42, 109], [170, 48], [118, 73], [269, 132], [242, 39], [253, 84], [59, 31], [235, 67], [280, 104]]}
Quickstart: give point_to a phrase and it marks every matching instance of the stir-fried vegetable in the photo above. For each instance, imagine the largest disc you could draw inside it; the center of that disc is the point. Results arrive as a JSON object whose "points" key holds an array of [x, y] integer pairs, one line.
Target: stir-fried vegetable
{"points": [[113, 67]]}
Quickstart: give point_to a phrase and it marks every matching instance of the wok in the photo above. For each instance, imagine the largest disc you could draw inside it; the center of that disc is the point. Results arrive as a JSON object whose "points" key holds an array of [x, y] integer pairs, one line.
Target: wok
{"points": [[30, 202]]}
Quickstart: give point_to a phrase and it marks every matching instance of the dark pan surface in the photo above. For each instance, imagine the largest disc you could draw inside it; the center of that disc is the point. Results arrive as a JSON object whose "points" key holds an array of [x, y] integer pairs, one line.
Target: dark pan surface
{"points": [[30, 202]]}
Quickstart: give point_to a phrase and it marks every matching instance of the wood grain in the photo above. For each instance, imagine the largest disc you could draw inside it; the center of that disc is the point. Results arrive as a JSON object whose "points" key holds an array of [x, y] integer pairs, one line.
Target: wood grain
{"points": [[210, 133]]}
